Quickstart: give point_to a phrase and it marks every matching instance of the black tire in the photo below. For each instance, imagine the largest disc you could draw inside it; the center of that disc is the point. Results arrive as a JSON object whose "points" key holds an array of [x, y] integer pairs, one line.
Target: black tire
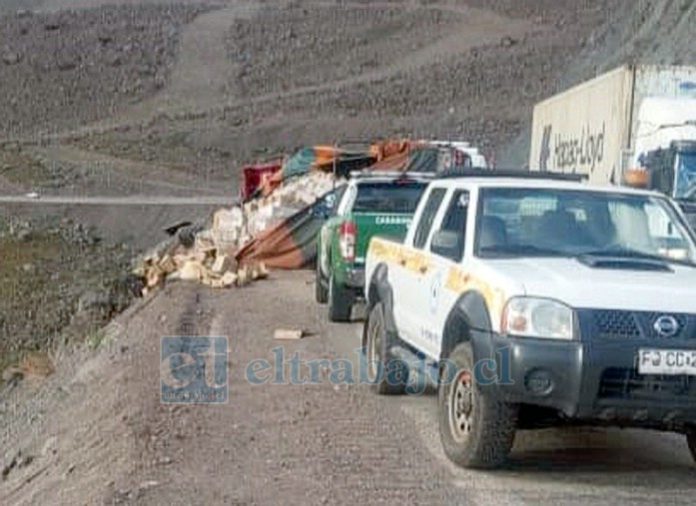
{"points": [[478, 431], [340, 302], [321, 292], [691, 441], [387, 374]]}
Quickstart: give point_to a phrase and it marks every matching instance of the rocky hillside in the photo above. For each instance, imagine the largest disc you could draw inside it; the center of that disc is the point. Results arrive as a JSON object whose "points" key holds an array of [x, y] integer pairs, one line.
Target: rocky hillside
{"points": [[63, 69]]}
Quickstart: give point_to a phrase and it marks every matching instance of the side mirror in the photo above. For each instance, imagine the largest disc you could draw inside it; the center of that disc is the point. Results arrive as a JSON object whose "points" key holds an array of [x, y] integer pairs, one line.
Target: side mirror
{"points": [[445, 243]]}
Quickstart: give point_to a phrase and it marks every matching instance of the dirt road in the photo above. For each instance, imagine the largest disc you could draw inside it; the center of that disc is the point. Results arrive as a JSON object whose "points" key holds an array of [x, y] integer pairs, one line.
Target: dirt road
{"points": [[246, 80], [104, 436]]}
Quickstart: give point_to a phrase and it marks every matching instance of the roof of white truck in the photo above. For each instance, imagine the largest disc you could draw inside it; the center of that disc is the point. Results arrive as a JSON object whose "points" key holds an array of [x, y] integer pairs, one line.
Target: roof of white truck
{"points": [[521, 182]]}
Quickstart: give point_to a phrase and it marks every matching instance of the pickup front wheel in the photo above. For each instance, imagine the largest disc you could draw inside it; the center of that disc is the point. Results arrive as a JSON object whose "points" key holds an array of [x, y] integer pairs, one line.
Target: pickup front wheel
{"points": [[477, 431]]}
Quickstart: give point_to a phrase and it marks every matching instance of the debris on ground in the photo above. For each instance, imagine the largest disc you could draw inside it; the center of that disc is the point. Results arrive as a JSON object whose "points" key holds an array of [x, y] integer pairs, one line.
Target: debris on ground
{"points": [[288, 334], [208, 255]]}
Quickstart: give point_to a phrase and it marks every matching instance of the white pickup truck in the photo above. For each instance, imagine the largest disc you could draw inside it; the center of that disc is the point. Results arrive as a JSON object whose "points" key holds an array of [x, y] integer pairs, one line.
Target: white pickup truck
{"points": [[537, 302]]}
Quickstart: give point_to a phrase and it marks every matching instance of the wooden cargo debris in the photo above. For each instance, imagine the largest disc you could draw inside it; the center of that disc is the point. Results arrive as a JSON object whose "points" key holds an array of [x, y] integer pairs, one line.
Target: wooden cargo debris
{"points": [[288, 334], [209, 256]]}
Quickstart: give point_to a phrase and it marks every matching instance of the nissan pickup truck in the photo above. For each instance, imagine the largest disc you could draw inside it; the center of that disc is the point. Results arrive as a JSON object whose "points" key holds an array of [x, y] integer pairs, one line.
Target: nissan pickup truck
{"points": [[534, 303], [367, 205]]}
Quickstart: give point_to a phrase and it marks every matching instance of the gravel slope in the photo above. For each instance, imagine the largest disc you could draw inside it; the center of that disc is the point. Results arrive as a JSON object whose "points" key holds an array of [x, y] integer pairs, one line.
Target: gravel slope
{"points": [[303, 73], [66, 68]]}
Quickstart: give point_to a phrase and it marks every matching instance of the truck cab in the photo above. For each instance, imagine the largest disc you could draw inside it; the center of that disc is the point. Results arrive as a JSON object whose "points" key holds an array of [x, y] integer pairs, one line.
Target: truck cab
{"points": [[537, 302], [665, 148], [672, 171]]}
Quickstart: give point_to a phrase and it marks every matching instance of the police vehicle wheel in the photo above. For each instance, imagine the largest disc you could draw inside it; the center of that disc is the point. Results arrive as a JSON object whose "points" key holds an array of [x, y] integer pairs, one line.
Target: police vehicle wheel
{"points": [[387, 374], [340, 302], [476, 430], [321, 293]]}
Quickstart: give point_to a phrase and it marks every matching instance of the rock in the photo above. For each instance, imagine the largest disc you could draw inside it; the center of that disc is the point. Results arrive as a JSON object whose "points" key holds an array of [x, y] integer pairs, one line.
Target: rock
{"points": [[187, 235], [11, 58], [37, 365], [164, 461], [24, 235], [12, 374], [94, 300], [8, 465], [25, 461], [508, 41], [147, 485], [50, 447], [130, 284], [67, 63]]}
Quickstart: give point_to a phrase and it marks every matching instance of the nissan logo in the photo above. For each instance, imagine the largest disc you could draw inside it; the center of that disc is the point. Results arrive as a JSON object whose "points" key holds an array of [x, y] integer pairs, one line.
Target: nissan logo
{"points": [[666, 326]]}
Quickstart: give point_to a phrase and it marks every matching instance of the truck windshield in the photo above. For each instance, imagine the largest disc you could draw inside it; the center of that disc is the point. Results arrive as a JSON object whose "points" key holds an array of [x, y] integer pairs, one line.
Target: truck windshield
{"points": [[399, 196], [518, 222], [686, 176]]}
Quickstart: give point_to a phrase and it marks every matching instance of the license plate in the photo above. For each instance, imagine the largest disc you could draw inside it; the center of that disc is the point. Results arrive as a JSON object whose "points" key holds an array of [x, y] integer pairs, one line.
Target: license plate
{"points": [[671, 362]]}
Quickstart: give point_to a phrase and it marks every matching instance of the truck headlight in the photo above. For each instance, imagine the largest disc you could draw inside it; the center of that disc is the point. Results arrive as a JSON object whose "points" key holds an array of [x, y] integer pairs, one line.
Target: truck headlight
{"points": [[540, 318]]}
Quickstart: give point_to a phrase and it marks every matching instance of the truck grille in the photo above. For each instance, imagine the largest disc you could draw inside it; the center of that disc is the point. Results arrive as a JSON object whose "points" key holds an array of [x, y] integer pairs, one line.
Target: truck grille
{"points": [[614, 324], [628, 384]]}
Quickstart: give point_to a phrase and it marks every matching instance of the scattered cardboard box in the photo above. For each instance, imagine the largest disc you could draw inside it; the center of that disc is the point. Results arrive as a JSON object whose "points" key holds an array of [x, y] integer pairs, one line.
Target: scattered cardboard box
{"points": [[288, 334]]}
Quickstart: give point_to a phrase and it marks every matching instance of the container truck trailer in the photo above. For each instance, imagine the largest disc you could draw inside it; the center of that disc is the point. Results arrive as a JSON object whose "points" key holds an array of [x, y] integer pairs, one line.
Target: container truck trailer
{"points": [[634, 125]]}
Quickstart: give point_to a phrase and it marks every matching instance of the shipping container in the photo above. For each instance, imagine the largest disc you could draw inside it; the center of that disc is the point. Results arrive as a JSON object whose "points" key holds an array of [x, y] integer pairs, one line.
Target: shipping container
{"points": [[592, 129]]}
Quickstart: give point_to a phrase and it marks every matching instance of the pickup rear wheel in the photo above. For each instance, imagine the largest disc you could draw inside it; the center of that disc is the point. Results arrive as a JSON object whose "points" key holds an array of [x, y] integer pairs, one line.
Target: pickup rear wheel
{"points": [[477, 431], [387, 374], [691, 440], [340, 301]]}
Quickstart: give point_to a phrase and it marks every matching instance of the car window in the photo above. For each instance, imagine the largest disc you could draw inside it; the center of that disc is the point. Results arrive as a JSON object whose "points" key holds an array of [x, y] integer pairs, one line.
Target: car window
{"points": [[455, 221], [567, 223], [428, 216], [346, 200], [388, 197]]}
